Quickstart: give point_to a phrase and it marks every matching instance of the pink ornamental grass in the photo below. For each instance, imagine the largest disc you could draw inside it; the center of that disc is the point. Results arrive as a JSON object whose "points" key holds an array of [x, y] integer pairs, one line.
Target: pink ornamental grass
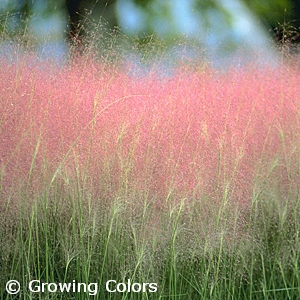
{"points": [[194, 134]]}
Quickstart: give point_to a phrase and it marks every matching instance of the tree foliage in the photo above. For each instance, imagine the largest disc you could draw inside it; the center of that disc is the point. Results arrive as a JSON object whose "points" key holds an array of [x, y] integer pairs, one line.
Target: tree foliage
{"points": [[273, 13]]}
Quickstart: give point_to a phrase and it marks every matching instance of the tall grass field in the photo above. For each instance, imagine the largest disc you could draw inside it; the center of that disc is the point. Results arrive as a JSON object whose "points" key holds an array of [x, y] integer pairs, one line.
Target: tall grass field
{"points": [[123, 186]]}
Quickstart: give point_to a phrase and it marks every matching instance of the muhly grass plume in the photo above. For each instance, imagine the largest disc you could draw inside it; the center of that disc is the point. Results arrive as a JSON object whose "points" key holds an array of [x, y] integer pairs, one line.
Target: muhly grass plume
{"points": [[187, 159], [194, 134]]}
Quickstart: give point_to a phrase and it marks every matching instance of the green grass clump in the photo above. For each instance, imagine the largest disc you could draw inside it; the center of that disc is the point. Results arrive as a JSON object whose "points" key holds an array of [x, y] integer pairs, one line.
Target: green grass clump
{"points": [[192, 250]]}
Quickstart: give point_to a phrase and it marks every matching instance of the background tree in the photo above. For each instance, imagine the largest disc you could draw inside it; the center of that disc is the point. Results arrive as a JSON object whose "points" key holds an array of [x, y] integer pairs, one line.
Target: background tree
{"points": [[281, 16], [81, 10]]}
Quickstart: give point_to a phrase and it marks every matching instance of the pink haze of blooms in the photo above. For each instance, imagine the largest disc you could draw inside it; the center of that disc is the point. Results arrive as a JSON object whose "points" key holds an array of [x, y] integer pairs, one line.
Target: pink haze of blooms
{"points": [[193, 134]]}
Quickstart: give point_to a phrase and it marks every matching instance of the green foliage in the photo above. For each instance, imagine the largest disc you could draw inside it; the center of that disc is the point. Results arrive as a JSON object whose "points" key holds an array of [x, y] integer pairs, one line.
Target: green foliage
{"points": [[15, 14], [272, 12]]}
